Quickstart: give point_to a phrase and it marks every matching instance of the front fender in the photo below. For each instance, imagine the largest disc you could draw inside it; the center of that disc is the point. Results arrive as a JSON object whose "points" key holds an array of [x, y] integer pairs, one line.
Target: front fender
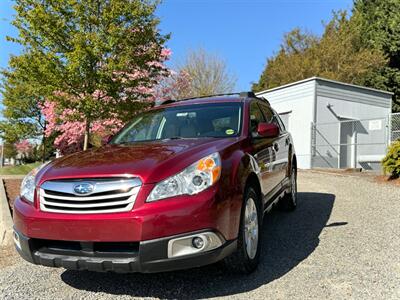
{"points": [[248, 166], [238, 169]]}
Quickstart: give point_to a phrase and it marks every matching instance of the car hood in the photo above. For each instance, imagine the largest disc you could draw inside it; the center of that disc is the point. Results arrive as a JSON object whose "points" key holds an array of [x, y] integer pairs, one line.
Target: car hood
{"points": [[150, 161]]}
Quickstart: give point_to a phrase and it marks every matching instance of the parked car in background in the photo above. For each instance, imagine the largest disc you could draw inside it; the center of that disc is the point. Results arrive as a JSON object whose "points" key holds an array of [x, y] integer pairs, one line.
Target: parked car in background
{"points": [[183, 185]]}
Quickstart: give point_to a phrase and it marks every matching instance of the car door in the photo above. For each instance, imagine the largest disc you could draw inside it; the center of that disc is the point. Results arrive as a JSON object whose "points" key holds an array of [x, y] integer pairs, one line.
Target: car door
{"points": [[280, 144], [263, 150]]}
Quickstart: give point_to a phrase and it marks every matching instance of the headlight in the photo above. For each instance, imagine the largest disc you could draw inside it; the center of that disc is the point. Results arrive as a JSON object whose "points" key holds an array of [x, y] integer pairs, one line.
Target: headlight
{"points": [[28, 184], [192, 180]]}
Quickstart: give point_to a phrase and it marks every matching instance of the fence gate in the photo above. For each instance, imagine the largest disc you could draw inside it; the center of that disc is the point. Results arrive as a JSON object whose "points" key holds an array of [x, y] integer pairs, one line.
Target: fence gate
{"points": [[351, 143]]}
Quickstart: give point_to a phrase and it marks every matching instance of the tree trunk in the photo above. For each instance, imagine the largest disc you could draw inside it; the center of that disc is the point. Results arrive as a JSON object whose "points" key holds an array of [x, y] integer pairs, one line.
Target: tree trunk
{"points": [[87, 133], [44, 148], [44, 144]]}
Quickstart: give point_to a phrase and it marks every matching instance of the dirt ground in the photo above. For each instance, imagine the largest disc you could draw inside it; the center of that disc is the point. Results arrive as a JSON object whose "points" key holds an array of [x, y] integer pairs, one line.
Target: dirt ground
{"points": [[12, 187], [382, 179], [7, 256], [385, 180]]}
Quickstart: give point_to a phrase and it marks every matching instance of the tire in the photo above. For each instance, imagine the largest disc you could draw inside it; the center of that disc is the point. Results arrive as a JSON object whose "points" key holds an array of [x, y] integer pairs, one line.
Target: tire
{"points": [[247, 255], [289, 201]]}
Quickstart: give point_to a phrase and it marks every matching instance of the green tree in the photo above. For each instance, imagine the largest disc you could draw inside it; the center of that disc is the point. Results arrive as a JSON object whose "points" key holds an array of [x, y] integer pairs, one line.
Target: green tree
{"points": [[9, 151], [96, 58], [21, 105], [338, 54], [380, 25], [294, 61], [391, 162]]}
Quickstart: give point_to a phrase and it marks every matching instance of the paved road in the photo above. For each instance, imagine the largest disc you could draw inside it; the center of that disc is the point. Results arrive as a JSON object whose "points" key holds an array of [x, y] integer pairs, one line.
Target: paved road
{"points": [[343, 242]]}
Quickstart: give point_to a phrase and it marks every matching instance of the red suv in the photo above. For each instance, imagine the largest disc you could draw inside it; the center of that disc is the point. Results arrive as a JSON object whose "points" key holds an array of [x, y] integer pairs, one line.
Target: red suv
{"points": [[184, 184]]}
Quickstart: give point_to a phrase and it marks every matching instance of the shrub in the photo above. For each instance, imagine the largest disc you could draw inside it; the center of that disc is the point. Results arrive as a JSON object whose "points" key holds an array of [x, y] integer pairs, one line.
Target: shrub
{"points": [[391, 162]]}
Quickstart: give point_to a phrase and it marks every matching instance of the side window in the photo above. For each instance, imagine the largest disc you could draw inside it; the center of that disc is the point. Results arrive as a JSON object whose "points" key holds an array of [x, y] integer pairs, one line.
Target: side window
{"points": [[282, 125], [268, 113], [272, 116], [256, 116]]}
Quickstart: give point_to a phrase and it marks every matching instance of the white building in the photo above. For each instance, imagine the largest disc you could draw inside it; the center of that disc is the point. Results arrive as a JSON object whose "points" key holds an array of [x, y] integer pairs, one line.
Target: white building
{"points": [[334, 124]]}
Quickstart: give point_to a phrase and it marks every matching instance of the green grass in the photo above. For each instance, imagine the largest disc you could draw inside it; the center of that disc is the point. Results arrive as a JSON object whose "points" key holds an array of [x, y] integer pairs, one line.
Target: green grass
{"points": [[18, 170]]}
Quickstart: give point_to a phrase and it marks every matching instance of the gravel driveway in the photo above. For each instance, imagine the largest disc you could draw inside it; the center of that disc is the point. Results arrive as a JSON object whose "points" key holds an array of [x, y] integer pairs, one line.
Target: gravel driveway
{"points": [[343, 241]]}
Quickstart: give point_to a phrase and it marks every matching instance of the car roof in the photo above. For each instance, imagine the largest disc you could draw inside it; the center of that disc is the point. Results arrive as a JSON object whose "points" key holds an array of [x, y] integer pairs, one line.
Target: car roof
{"points": [[229, 98], [219, 99]]}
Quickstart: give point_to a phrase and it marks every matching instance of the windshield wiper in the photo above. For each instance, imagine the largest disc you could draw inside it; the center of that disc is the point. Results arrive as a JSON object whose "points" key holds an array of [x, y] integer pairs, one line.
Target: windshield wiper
{"points": [[174, 138], [123, 143], [166, 139]]}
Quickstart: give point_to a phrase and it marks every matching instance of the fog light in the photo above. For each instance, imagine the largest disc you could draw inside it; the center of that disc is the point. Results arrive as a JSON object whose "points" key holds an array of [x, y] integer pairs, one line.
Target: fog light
{"points": [[16, 240], [193, 244], [198, 242]]}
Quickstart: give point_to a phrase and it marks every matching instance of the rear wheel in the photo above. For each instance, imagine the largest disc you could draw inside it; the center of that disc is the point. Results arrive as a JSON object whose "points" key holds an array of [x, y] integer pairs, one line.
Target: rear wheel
{"points": [[245, 259], [289, 201]]}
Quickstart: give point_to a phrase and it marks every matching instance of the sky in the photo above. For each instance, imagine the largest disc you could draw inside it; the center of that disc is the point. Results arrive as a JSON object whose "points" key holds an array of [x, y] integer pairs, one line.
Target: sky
{"points": [[242, 32]]}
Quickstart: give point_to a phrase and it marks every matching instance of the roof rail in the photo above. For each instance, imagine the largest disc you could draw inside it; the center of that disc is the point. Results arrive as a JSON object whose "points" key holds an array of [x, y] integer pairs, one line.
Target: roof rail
{"points": [[241, 94], [247, 95]]}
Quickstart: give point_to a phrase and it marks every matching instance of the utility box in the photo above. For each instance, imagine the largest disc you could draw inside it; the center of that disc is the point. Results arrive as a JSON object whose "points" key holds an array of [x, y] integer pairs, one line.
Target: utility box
{"points": [[334, 124]]}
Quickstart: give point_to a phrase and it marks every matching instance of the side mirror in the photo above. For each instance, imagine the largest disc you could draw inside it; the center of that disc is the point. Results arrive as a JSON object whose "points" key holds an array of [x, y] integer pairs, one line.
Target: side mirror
{"points": [[268, 130]]}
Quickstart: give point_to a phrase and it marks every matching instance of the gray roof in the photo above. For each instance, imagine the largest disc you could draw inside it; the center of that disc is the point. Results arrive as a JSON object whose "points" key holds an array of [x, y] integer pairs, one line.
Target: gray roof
{"points": [[326, 80]]}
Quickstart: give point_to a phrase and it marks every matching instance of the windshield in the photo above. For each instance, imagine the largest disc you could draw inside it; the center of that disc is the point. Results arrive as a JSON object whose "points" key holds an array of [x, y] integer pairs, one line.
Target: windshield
{"points": [[191, 121]]}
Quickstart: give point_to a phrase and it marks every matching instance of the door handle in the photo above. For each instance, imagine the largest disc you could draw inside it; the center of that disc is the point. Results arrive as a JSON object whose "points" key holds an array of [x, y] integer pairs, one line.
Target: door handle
{"points": [[287, 141], [276, 147]]}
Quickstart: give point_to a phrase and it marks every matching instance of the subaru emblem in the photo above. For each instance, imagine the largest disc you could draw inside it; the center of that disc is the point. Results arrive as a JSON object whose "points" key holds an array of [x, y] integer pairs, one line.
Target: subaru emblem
{"points": [[83, 188]]}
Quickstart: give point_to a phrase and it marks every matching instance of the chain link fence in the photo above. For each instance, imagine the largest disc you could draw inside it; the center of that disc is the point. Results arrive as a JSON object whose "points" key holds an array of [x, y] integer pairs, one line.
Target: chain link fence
{"points": [[351, 143], [394, 127]]}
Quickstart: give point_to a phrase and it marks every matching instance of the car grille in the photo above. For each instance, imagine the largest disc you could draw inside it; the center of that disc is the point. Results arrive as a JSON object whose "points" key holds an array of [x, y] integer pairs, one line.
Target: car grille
{"points": [[107, 195]]}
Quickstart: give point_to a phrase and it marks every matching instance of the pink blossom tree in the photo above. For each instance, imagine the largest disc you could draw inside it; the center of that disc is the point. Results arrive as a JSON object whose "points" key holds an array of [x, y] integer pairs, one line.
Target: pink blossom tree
{"points": [[70, 133], [68, 124], [24, 148]]}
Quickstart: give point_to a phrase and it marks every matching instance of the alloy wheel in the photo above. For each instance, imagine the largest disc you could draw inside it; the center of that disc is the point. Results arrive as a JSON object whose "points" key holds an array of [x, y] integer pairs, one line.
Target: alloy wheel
{"points": [[251, 228], [293, 183]]}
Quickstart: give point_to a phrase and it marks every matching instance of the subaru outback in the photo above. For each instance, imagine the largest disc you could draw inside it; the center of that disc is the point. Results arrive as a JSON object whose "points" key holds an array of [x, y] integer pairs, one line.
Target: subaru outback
{"points": [[184, 184]]}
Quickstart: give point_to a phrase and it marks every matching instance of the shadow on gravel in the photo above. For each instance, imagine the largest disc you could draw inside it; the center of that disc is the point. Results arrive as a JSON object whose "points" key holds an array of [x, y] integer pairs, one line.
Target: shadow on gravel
{"points": [[288, 239]]}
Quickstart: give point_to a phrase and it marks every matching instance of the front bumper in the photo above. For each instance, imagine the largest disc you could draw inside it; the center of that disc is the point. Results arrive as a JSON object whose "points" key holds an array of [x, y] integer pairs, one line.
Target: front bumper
{"points": [[146, 257], [147, 221]]}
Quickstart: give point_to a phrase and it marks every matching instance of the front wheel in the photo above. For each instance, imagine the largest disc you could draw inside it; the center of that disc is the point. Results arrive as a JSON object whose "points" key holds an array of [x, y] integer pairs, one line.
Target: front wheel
{"points": [[245, 259]]}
